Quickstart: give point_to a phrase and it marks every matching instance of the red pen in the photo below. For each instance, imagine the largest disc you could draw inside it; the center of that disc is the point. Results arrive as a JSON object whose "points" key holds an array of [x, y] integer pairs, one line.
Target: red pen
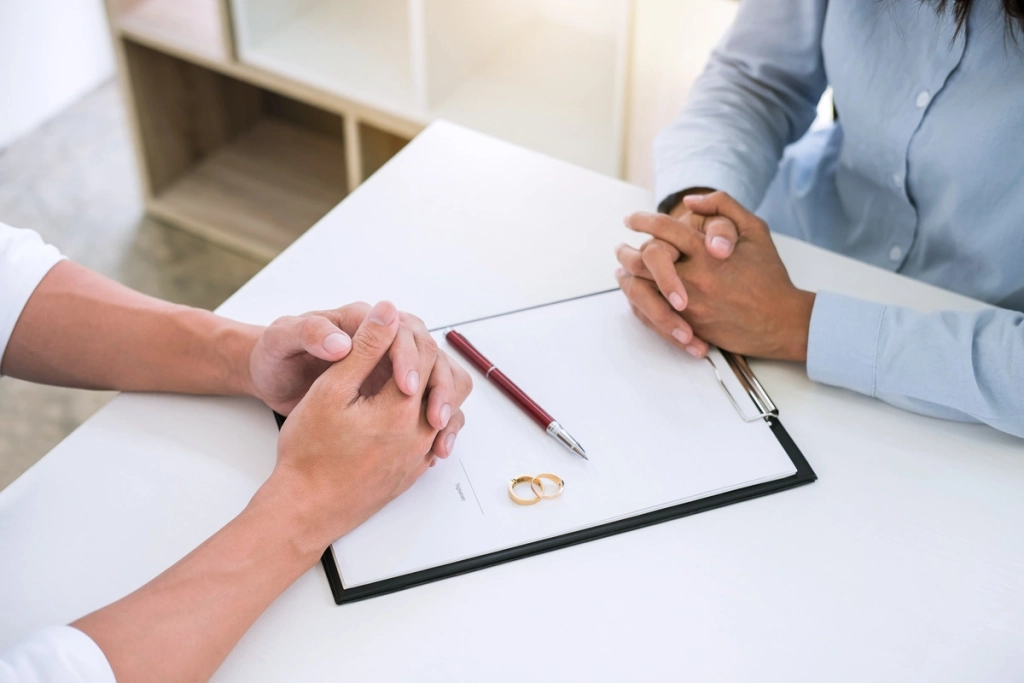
{"points": [[491, 372]]}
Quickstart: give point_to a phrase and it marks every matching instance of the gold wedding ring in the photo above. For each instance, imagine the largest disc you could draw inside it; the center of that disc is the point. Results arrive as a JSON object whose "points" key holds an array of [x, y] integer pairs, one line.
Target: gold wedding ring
{"points": [[537, 486], [525, 479]]}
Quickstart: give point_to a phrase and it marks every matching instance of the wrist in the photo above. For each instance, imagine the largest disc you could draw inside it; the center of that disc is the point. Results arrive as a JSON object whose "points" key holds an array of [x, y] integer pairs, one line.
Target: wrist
{"points": [[798, 326], [291, 501], [236, 342]]}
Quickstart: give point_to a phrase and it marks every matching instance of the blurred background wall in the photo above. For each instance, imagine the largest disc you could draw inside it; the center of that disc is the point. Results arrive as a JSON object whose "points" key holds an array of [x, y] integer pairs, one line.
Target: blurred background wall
{"points": [[52, 52]]}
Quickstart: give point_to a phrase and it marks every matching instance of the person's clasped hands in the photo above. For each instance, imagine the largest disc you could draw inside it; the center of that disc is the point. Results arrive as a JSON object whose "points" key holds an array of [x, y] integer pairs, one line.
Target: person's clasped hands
{"points": [[372, 402], [711, 274]]}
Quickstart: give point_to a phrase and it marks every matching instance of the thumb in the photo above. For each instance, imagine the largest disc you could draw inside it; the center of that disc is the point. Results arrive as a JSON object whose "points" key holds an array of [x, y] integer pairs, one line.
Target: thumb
{"points": [[313, 334], [721, 204], [370, 344], [321, 338], [720, 236]]}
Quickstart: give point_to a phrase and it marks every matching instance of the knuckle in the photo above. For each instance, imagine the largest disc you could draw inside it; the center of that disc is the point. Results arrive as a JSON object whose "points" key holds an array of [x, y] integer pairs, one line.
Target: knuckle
{"points": [[428, 346], [667, 320], [369, 339], [309, 327], [697, 312], [702, 282], [654, 253], [463, 385], [283, 321]]}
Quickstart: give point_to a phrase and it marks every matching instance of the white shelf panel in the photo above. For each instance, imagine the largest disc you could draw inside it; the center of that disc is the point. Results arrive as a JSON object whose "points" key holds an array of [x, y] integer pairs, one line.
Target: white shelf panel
{"points": [[357, 49], [551, 89]]}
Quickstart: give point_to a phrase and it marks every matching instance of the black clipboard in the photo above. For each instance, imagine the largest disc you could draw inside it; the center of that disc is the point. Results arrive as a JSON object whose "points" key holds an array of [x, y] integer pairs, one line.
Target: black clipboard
{"points": [[766, 411]]}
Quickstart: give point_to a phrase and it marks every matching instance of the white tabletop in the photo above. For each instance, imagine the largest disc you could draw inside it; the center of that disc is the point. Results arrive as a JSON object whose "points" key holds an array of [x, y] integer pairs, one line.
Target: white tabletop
{"points": [[905, 561]]}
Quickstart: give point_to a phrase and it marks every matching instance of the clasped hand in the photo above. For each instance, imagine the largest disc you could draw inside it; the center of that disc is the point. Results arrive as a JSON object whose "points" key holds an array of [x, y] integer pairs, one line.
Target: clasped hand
{"points": [[713, 275], [363, 426]]}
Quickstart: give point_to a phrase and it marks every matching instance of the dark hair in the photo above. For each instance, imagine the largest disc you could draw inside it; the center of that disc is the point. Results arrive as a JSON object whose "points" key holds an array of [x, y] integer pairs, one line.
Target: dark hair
{"points": [[962, 8]]}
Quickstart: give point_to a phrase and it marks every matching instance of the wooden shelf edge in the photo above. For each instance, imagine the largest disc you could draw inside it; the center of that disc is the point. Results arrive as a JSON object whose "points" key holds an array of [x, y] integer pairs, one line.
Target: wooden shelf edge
{"points": [[168, 213], [189, 27], [390, 123], [201, 58]]}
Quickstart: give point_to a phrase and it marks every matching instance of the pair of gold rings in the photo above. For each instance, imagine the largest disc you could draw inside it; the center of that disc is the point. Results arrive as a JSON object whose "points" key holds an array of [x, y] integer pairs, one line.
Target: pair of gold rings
{"points": [[537, 488]]}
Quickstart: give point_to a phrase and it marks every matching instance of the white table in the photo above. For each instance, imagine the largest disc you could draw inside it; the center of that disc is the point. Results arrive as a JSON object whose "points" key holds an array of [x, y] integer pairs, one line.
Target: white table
{"points": [[905, 561]]}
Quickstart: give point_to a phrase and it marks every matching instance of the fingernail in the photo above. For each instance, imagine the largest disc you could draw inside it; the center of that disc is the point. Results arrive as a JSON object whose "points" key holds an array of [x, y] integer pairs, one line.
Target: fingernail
{"points": [[383, 313], [413, 379], [693, 351], [681, 336], [625, 221], [446, 414], [433, 462], [676, 301], [449, 443], [336, 342], [721, 243], [619, 272]]}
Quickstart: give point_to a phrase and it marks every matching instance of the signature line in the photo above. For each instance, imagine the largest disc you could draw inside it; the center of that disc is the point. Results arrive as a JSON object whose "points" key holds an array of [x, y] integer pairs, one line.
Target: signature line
{"points": [[470, 482]]}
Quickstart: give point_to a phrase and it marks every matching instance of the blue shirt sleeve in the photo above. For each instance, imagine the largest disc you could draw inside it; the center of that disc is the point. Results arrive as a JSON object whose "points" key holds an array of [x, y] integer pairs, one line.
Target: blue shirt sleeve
{"points": [[758, 93], [948, 364]]}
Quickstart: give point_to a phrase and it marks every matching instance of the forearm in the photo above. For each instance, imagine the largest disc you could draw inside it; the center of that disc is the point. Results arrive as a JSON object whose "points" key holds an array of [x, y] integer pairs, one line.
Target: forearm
{"points": [[948, 364], [757, 94], [181, 625], [81, 329]]}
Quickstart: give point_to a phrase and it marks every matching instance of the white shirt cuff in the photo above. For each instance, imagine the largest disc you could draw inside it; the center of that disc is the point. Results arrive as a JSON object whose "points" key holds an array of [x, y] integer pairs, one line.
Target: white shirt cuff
{"points": [[60, 654]]}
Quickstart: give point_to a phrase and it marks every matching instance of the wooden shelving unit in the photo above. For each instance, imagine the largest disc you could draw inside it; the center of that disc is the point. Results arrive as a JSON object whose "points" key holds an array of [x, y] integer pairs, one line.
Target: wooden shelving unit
{"points": [[253, 118]]}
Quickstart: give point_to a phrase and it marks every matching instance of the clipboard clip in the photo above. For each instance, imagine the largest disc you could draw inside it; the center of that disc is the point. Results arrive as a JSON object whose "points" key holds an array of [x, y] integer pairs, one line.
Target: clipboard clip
{"points": [[765, 406]]}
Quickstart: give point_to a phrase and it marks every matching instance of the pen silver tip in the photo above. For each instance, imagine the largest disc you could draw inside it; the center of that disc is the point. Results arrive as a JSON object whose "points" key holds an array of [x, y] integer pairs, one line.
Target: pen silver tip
{"points": [[558, 432]]}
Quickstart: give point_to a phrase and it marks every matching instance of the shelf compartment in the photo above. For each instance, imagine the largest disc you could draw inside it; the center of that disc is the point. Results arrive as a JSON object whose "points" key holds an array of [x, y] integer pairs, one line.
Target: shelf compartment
{"points": [[545, 74], [377, 147], [244, 167], [357, 49], [191, 27]]}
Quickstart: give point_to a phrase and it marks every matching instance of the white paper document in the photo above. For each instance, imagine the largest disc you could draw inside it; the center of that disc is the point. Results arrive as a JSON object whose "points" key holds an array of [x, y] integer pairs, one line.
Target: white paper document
{"points": [[657, 426]]}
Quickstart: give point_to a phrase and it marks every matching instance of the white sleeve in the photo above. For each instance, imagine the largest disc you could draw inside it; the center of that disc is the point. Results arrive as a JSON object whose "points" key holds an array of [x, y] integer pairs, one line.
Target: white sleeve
{"points": [[60, 654], [24, 260]]}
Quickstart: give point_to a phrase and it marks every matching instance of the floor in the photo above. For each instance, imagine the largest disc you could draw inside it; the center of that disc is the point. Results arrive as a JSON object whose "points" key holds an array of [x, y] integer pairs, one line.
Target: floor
{"points": [[74, 181]]}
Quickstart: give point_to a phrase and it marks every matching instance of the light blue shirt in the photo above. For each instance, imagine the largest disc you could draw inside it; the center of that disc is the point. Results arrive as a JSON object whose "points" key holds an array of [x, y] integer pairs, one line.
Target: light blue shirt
{"points": [[922, 174]]}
